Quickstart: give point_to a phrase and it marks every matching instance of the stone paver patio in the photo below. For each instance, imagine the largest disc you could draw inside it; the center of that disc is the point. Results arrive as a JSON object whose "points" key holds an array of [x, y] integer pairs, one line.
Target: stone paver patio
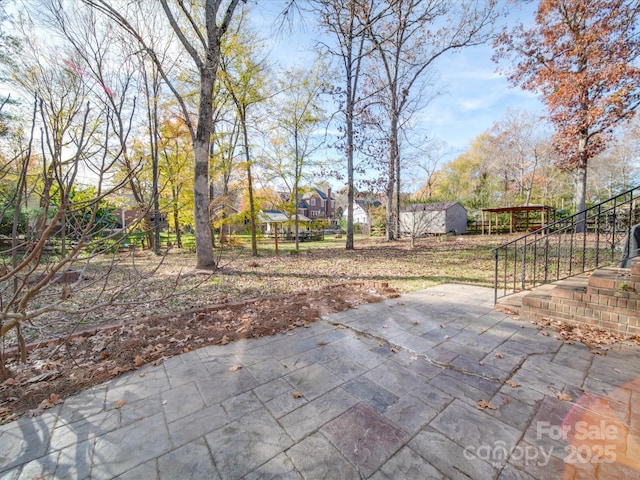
{"points": [[387, 390]]}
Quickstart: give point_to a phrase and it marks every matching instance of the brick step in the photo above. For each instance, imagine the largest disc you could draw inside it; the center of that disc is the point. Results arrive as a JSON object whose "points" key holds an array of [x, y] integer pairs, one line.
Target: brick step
{"points": [[613, 281], [608, 298]]}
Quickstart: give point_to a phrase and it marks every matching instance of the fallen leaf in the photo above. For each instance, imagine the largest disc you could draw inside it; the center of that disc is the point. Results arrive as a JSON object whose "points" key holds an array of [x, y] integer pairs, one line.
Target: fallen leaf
{"points": [[297, 395], [321, 342], [54, 399], [545, 333], [235, 368], [483, 405], [505, 401], [499, 355], [138, 361], [66, 293], [119, 403], [394, 350], [117, 371], [565, 397], [512, 384]]}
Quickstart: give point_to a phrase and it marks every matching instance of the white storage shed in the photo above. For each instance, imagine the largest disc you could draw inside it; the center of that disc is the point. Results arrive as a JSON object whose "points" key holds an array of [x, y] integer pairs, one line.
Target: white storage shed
{"points": [[433, 218]]}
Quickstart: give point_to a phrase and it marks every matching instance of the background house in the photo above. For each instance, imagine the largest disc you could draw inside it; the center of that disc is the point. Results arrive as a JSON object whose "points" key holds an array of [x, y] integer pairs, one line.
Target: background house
{"points": [[277, 220], [318, 205], [361, 211], [433, 218]]}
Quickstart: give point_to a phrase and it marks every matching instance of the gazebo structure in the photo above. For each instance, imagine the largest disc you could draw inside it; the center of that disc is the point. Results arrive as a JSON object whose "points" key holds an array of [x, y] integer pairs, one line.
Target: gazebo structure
{"points": [[524, 218], [276, 220]]}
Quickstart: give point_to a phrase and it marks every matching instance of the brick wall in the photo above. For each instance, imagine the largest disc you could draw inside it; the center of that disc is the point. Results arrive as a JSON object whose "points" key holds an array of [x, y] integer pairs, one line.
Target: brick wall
{"points": [[609, 298]]}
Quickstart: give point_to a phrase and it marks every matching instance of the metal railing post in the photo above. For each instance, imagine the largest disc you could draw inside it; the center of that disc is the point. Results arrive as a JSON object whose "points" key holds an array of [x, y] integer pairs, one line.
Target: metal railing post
{"points": [[567, 262]]}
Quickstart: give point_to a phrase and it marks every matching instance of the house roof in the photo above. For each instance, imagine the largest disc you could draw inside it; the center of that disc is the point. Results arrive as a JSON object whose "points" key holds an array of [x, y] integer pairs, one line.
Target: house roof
{"points": [[276, 216], [317, 192], [367, 203]]}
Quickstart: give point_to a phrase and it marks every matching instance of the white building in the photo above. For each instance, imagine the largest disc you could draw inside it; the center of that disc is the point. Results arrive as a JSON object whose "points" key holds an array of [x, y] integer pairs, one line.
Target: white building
{"points": [[433, 218], [361, 213]]}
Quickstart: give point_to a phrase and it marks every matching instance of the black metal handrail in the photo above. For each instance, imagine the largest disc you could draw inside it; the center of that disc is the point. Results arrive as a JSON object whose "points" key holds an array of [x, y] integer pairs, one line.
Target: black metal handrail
{"points": [[576, 244]]}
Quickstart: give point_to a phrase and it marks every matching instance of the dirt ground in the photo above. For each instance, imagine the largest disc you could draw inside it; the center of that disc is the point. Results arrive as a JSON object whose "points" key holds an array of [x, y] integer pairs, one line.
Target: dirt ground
{"points": [[69, 364]]}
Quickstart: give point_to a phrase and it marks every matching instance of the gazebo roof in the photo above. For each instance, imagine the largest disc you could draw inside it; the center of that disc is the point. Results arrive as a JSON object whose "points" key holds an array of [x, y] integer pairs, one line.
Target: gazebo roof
{"points": [[520, 208]]}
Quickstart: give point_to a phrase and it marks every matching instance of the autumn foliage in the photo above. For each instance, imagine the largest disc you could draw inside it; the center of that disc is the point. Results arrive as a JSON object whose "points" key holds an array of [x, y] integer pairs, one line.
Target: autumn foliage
{"points": [[581, 56]]}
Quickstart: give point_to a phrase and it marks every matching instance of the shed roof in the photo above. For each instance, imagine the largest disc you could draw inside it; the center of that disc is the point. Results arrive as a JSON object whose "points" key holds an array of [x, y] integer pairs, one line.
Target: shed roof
{"points": [[430, 207]]}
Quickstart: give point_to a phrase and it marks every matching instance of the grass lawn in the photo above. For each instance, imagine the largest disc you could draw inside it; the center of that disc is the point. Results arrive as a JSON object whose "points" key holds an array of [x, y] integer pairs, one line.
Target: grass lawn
{"points": [[462, 259], [175, 285]]}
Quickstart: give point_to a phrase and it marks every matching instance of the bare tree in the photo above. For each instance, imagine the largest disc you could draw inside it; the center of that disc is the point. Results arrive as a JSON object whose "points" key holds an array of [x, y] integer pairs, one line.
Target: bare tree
{"points": [[61, 173], [244, 76], [348, 21], [200, 30], [617, 169], [516, 151], [298, 114], [426, 163], [47, 262], [94, 48], [409, 36]]}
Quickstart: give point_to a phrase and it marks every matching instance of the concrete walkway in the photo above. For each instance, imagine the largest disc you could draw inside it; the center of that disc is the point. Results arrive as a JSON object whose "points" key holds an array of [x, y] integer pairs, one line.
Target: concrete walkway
{"points": [[434, 384]]}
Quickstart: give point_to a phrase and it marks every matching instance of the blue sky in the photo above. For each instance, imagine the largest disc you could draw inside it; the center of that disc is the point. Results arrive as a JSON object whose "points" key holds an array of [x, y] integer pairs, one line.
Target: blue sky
{"points": [[474, 95]]}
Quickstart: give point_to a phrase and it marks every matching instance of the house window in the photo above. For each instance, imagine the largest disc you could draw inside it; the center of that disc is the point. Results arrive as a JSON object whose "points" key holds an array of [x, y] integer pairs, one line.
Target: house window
{"points": [[313, 202]]}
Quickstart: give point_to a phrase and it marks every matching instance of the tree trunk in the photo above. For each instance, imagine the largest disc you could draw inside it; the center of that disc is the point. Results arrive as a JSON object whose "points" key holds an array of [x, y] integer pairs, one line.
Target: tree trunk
{"points": [[252, 206], [581, 197], [252, 212], [350, 186], [391, 181], [296, 217], [581, 185], [201, 143], [176, 217], [296, 186], [397, 212]]}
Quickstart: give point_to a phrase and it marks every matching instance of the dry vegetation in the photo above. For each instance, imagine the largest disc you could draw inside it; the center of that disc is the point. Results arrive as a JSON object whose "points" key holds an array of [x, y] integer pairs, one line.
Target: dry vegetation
{"points": [[177, 309]]}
